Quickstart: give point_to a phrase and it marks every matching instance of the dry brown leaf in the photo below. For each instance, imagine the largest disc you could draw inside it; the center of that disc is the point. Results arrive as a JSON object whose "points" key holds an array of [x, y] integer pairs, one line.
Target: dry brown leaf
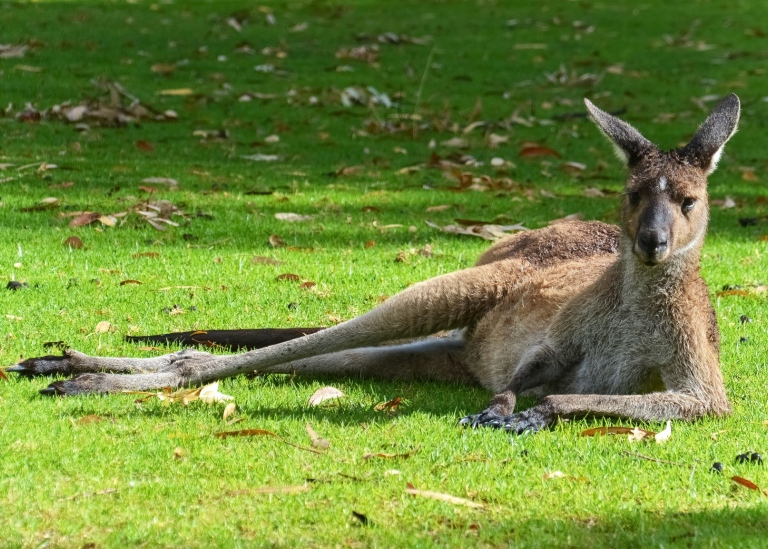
{"points": [[456, 143], [447, 498], [440, 208], [533, 150], [145, 254], [615, 431], [488, 232], [317, 442], [746, 483], [389, 406], [308, 285], [3, 376], [323, 394], [176, 92], [74, 242], [275, 241], [130, 281], [85, 218], [103, 327], [290, 277], [178, 453]]}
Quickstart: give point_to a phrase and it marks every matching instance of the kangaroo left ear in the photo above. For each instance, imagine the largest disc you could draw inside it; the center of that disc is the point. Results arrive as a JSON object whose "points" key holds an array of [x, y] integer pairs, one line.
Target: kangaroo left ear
{"points": [[707, 145]]}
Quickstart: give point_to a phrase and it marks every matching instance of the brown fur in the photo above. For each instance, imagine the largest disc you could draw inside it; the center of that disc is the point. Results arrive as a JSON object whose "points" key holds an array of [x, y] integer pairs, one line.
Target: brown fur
{"points": [[593, 318]]}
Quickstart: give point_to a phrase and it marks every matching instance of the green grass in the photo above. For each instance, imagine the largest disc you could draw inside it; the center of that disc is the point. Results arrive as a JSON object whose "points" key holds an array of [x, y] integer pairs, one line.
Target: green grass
{"points": [[153, 475]]}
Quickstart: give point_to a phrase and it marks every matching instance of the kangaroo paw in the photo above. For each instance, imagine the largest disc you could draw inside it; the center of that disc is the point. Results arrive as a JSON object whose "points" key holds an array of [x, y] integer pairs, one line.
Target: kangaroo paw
{"points": [[530, 420], [486, 418], [48, 365]]}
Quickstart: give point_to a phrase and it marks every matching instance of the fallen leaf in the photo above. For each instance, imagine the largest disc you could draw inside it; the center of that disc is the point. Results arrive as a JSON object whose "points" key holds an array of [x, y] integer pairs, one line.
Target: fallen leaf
{"points": [[323, 394], [275, 241], [390, 406], [176, 92], [488, 232], [129, 281], [290, 277], [45, 204], [145, 145], [664, 435], [293, 217], [393, 456], [447, 498], [162, 68], [178, 453], [553, 474], [161, 181], [103, 327], [532, 150], [440, 208], [317, 442], [456, 143], [3, 376], [308, 285], [85, 218], [746, 483], [74, 242], [145, 254], [615, 431], [210, 394], [261, 157]]}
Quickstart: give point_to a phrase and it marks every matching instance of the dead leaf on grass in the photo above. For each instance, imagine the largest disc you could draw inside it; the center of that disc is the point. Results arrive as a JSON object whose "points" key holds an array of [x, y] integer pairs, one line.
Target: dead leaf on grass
{"points": [[746, 483], [317, 442], [389, 406], [290, 277], [488, 232], [103, 327], [45, 204], [275, 241], [130, 281], [533, 150], [210, 394], [664, 435], [90, 418], [323, 394], [74, 242], [293, 217]]}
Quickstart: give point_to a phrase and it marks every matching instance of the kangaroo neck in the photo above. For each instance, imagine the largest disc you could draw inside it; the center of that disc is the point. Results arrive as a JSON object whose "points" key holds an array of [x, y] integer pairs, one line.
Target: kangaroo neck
{"points": [[645, 284]]}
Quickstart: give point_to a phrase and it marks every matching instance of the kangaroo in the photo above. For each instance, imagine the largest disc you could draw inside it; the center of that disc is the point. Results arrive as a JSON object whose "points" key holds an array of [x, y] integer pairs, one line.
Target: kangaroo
{"points": [[592, 318]]}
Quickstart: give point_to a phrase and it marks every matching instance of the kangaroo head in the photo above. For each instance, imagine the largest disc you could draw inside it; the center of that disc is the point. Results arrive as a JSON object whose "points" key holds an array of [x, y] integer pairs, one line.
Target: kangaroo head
{"points": [[665, 209]]}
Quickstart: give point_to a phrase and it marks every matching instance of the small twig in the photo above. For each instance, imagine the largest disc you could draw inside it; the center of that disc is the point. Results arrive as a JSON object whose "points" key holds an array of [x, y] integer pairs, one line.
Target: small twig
{"points": [[649, 458], [421, 88]]}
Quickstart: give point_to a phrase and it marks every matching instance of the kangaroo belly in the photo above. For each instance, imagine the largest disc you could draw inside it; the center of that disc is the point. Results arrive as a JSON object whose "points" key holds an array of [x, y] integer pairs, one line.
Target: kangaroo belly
{"points": [[500, 339]]}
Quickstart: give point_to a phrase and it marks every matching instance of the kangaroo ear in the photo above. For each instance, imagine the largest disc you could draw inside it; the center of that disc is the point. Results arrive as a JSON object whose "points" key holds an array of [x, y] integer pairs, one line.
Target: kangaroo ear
{"points": [[705, 148], [629, 143]]}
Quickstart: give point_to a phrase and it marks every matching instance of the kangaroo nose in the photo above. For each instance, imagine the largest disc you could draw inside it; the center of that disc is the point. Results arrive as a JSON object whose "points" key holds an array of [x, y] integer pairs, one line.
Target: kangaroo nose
{"points": [[652, 242]]}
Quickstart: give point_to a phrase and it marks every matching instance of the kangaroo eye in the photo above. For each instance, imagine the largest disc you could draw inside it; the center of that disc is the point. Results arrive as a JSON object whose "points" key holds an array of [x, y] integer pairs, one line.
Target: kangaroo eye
{"points": [[688, 204], [634, 198]]}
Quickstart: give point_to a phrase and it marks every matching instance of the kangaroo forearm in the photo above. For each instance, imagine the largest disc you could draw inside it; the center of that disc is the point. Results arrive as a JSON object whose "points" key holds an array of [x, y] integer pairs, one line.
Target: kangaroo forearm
{"points": [[649, 407]]}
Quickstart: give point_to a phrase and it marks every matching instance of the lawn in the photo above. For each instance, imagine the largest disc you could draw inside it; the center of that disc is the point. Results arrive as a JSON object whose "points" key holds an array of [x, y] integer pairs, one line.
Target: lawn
{"points": [[206, 119]]}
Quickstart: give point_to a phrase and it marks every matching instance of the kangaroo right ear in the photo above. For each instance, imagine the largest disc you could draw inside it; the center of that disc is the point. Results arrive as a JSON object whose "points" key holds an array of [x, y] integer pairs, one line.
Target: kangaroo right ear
{"points": [[629, 143], [705, 148]]}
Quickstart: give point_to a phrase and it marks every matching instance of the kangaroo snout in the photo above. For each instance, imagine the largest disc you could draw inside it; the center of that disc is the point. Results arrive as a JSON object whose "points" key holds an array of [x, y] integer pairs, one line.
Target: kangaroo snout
{"points": [[651, 245]]}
